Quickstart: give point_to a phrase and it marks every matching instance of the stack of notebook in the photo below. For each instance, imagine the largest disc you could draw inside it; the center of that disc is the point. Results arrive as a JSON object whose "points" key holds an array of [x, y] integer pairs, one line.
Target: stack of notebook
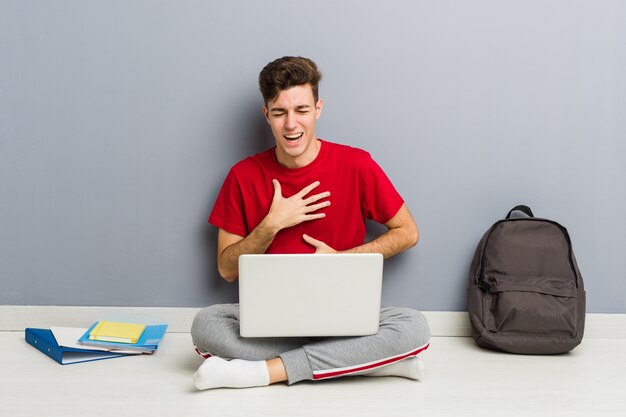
{"points": [[103, 340], [124, 336]]}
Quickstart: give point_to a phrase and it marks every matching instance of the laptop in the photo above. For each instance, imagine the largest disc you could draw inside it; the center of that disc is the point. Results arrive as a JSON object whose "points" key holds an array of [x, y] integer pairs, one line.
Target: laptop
{"points": [[310, 294]]}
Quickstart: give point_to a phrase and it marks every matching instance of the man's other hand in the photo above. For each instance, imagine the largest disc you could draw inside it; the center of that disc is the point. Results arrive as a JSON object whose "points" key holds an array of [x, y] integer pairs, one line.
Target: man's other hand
{"points": [[287, 212], [320, 247]]}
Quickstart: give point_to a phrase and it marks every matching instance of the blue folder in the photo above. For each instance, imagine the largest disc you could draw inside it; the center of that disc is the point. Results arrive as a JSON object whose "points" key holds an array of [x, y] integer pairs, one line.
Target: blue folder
{"points": [[44, 341]]}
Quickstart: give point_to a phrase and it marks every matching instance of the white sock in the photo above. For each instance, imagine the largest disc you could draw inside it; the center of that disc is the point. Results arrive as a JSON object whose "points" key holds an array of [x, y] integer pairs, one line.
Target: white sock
{"points": [[216, 372], [411, 368]]}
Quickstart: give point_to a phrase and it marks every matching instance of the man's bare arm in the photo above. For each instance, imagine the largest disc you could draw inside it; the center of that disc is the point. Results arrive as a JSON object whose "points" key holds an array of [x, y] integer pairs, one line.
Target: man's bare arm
{"points": [[402, 234], [230, 246], [283, 213]]}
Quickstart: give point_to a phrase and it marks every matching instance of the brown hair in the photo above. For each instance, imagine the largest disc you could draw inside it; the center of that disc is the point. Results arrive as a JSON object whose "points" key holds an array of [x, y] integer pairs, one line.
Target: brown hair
{"points": [[287, 72]]}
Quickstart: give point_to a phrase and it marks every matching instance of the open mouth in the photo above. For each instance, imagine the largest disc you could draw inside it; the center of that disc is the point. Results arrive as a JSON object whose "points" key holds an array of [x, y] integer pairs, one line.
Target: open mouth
{"points": [[294, 137]]}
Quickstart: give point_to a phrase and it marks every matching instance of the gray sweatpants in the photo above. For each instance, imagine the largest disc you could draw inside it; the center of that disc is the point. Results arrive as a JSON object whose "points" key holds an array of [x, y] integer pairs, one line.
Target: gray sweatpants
{"points": [[403, 333]]}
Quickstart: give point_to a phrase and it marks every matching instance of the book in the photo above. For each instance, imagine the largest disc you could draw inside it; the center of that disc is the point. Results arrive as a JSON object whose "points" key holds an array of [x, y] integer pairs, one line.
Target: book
{"points": [[147, 343], [68, 337], [111, 331], [44, 341]]}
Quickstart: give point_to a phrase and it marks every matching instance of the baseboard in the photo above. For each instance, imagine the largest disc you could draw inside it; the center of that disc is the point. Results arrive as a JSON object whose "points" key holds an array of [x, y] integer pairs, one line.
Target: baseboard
{"points": [[442, 323]]}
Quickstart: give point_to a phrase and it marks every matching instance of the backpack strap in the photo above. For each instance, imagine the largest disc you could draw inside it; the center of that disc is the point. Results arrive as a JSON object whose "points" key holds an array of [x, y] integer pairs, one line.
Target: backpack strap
{"points": [[524, 209]]}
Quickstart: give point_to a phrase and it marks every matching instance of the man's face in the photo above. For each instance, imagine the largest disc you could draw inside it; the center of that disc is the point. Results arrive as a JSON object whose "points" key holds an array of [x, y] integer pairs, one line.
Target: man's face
{"points": [[292, 116]]}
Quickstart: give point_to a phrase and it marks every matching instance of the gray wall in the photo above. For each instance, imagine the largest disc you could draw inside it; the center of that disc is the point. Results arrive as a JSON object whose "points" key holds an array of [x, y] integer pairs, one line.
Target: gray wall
{"points": [[119, 121]]}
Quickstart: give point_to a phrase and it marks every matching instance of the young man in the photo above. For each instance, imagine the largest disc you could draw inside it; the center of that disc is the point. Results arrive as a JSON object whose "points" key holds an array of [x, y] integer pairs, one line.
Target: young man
{"points": [[304, 195]]}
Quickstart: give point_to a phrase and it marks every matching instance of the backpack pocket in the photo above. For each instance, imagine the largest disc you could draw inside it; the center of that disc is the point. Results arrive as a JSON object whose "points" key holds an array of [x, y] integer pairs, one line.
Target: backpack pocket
{"points": [[530, 306]]}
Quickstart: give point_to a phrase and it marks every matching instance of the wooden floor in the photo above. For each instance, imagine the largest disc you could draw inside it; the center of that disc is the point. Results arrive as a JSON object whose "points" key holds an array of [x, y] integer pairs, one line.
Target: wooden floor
{"points": [[461, 379]]}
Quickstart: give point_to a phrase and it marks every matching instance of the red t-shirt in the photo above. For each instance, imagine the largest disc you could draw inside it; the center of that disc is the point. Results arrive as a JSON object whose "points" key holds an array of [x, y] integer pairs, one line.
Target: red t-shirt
{"points": [[359, 190]]}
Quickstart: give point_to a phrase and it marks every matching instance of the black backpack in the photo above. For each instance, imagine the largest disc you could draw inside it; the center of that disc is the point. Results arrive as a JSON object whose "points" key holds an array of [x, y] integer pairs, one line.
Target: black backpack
{"points": [[525, 292]]}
